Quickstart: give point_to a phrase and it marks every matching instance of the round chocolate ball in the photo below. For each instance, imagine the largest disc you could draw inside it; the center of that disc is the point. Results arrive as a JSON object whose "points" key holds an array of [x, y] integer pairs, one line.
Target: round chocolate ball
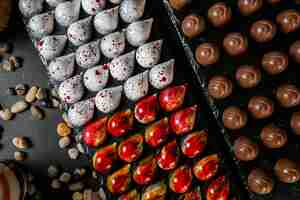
{"points": [[275, 62], [220, 87], [234, 118], [235, 44], [219, 14], [179, 4], [263, 31], [260, 107], [260, 182], [193, 25], [295, 122], [288, 95], [289, 20], [248, 76], [287, 170], [273, 137], [248, 7], [295, 51], [207, 54], [244, 149], [273, 2]]}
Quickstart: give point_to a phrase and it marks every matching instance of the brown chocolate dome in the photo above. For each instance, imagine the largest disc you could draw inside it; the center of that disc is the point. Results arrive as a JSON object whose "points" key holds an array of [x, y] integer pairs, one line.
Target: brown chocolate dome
{"points": [[220, 87], [193, 25], [235, 44], [261, 107], [295, 51], [287, 170], [263, 31], [289, 20], [273, 137], [288, 95], [207, 54], [248, 7], [260, 182], [248, 76], [244, 149], [234, 118], [219, 14], [295, 122], [275, 62]]}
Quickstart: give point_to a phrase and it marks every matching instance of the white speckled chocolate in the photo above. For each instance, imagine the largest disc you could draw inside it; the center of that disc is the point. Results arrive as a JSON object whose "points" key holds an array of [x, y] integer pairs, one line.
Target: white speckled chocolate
{"points": [[62, 67], [92, 7], [29, 8], [67, 13], [132, 10], [88, 55], [162, 75], [148, 54], [137, 86], [51, 46], [113, 45], [108, 100], [122, 67], [81, 112], [41, 25], [139, 32], [80, 32], [96, 78], [107, 21], [71, 90], [54, 3]]}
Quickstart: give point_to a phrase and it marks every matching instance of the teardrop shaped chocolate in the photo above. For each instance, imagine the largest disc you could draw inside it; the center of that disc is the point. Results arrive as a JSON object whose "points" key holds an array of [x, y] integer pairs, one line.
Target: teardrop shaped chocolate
{"points": [[132, 10], [148, 54], [121, 68], [92, 7], [107, 21], [81, 112], [88, 55], [80, 32], [67, 13], [29, 8], [137, 33], [137, 86], [109, 99], [162, 75], [62, 67], [113, 45], [71, 90], [41, 25], [51, 46], [96, 78]]}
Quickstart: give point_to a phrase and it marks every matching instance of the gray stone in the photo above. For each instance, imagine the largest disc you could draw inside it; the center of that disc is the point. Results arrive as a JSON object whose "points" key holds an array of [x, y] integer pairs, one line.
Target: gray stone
{"points": [[6, 114], [19, 155], [31, 94], [20, 142], [19, 106], [55, 184], [64, 142], [36, 112], [21, 89], [7, 66], [65, 177], [73, 153]]}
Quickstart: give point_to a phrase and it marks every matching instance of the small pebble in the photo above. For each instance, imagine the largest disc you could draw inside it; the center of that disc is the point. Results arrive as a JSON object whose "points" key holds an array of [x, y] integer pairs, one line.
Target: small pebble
{"points": [[10, 91], [14, 61], [7, 66], [55, 184], [64, 142], [53, 171], [63, 130], [80, 148], [54, 102], [73, 153], [21, 89], [31, 94], [20, 142], [19, 106], [6, 114], [76, 186], [94, 175], [77, 196], [19, 155], [36, 112], [41, 94], [5, 47], [65, 177]]}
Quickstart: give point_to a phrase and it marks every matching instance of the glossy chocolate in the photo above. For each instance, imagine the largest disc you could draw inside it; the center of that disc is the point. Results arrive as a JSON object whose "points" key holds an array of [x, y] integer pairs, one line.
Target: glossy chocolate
{"points": [[207, 54], [288, 95], [295, 122], [275, 62], [235, 44], [219, 14], [263, 31], [295, 51], [287, 170], [244, 149], [220, 87], [289, 20], [260, 182], [234, 118], [248, 76], [193, 25], [273, 137], [248, 7], [260, 107]]}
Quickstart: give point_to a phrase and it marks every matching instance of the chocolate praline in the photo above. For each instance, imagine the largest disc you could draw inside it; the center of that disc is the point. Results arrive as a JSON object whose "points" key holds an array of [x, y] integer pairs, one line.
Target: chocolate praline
{"points": [[193, 25], [263, 31], [234, 118], [289, 20], [295, 51], [235, 44], [220, 87], [219, 14], [288, 95], [179, 4], [248, 7], [248, 76], [273, 137], [260, 182], [244, 149], [275, 62], [260, 107], [295, 122], [287, 170], [207, 54]]}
